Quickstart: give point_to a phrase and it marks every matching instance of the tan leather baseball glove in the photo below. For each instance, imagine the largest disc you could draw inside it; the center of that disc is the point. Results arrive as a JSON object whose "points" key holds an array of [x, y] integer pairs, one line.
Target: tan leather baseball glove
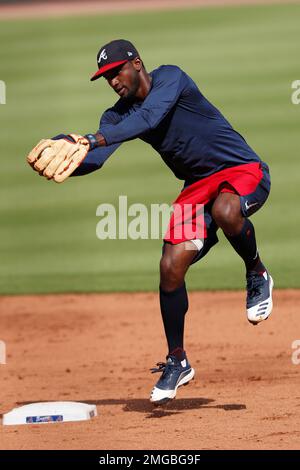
{"points": [[57, 159]]}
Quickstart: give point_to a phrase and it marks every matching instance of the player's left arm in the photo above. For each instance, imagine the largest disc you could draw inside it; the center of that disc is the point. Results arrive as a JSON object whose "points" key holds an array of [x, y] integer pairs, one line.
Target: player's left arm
{"points": [[94, 159], [161, 99], [70, 155]]}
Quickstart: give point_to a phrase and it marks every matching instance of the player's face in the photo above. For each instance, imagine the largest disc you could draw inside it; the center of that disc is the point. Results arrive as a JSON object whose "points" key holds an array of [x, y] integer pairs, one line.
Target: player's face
{"points": [[125, 80]]}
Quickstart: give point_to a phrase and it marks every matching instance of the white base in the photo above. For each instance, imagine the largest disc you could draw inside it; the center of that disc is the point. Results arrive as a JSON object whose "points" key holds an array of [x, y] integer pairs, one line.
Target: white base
{"points": [[50, 412]]}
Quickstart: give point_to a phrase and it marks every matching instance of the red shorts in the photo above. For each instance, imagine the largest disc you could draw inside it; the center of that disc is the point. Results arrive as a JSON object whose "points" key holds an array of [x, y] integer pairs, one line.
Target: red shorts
{"points": [[250, 181]]}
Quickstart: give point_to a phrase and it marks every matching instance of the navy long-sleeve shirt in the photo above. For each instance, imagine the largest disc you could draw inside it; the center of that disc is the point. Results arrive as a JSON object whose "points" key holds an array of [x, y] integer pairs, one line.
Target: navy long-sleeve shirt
{"points": [[190, 134]]}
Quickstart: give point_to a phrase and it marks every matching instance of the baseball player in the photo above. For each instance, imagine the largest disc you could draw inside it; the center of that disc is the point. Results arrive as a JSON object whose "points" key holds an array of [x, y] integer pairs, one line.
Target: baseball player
{"points": [[220, 171]]}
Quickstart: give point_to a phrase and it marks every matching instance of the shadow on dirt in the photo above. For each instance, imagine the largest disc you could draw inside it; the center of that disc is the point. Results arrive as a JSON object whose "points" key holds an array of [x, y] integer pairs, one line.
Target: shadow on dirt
{"points": [[173, 407]]}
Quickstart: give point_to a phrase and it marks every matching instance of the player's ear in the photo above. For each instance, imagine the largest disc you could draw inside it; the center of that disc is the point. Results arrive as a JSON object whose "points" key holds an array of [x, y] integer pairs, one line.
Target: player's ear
{"points": [[137, 63]]}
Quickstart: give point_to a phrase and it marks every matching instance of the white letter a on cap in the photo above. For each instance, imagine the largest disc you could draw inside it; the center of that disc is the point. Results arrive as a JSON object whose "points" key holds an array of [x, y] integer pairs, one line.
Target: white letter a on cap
{"points": [[103, 55]]}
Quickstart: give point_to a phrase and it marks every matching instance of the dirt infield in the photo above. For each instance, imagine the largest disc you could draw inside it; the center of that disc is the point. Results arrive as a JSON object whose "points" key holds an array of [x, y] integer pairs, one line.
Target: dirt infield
{"points": [[74, 8], [99, 349]]}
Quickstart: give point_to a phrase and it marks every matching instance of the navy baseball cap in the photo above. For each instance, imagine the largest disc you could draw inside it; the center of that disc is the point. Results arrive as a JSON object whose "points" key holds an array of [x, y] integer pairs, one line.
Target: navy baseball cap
{"points": [[113, 54]]}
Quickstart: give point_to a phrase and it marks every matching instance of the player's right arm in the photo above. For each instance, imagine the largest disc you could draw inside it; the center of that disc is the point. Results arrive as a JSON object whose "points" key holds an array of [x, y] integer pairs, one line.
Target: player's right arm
{"points": [[169, 84], [96, 158]]}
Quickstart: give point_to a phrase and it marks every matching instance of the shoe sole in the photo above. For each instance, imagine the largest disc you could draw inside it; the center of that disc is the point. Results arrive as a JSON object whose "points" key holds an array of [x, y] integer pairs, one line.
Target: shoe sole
{"points": [[184, 381], [266, 315]]}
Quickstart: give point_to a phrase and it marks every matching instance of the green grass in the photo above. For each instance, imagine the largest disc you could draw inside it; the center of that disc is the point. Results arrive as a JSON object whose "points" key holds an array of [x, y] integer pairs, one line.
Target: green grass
{"points": [[243, 59]]}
